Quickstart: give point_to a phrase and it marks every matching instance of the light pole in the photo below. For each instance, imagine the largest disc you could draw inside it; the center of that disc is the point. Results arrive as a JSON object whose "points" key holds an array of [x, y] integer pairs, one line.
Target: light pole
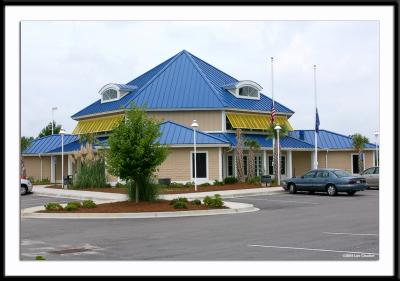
{"points": [[52, 119], [62, 132], [195, 126], [376, 133], [278, 172]]}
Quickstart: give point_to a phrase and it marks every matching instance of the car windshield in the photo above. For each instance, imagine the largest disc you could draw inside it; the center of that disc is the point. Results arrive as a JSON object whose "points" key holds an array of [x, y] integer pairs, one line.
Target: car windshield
{"points": [[341, 174]]}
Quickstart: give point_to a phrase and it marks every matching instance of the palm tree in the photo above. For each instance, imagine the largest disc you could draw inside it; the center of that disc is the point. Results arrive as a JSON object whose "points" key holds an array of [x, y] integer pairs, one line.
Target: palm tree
{"points": [[252, 145], [359, 142], [272, 134], [239, 156]]}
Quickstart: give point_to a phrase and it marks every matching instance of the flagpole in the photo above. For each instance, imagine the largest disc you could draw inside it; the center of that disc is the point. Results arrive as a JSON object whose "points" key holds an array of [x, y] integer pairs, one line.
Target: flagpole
{"points": [[315, 129], [273, 106]]}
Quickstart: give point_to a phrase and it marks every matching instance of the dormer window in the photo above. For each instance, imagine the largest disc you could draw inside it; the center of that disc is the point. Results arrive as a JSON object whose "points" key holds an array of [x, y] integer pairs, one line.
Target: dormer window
{"points": [[112, 92], [244, 89]]}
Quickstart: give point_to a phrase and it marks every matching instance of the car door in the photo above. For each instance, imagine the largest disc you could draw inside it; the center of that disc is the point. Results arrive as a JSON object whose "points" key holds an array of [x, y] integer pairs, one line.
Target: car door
{"points": [[320, 180], [367, 174], [375, 177], [306, 181]]}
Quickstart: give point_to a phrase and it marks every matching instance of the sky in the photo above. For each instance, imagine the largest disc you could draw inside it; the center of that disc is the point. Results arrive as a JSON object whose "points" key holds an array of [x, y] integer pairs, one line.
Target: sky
{"points": [[65, 63]]}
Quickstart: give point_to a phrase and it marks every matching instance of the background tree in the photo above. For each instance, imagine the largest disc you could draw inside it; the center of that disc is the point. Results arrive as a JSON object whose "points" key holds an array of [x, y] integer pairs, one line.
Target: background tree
{"points": [[46, 131], [134, 152], [239, 156], [272, 134], [25, 142], [252, 145], [359, 142]]}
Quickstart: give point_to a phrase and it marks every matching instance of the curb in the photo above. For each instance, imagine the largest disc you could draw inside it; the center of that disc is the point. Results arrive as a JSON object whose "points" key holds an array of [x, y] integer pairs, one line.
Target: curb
{"points": [[235, 208]]}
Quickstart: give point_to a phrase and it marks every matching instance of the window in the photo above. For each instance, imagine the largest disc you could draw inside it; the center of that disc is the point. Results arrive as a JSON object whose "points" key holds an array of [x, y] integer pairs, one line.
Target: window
{"points": [[248, 91], [341, 174], [245, 164], [322, 174], [309, 174], [201, 165], [110, 94], [368, 171], [271, 168], [258, 164], [376, 170], [230, 165]]}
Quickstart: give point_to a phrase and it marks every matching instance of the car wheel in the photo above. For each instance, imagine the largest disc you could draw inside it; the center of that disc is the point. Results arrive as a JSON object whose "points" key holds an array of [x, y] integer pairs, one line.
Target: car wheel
{"points": [[331, 189], [292, 188], [23, 190], [351, 192]]}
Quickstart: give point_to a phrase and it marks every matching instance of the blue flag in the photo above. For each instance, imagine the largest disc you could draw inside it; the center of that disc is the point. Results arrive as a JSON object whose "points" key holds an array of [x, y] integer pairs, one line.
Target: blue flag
{"points": [[316, 121]]}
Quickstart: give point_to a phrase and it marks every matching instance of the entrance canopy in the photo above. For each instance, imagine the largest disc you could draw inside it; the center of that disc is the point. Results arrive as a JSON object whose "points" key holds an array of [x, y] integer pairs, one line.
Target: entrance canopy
{"points": [[255, 122]]}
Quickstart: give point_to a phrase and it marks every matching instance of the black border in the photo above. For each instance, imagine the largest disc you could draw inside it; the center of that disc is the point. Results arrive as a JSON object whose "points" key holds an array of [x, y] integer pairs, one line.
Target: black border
{"points": [[392, 3]]}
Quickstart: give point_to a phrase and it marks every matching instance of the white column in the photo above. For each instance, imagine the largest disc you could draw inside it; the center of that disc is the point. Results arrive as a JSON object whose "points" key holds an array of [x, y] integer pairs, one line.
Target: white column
{"points": [[69, 165], [234, 164], [265, 162], [289, 163], [41, 167], [52, 170], [326, 159], [312, 159], [220, 164]]}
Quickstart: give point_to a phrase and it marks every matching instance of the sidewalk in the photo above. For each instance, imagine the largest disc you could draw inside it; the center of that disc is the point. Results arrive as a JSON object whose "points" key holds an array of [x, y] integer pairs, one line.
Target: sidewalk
{"points": [[84, 195]]}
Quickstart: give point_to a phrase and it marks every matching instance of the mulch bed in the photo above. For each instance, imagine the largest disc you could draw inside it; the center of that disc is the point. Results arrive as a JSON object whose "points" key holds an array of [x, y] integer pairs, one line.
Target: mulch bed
{"points": [[175, 190], [130, 207]]}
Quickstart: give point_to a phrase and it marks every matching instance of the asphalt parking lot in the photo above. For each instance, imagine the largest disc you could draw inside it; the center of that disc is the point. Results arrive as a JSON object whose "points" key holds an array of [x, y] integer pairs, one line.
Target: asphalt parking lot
{"points": [[287, 227]]}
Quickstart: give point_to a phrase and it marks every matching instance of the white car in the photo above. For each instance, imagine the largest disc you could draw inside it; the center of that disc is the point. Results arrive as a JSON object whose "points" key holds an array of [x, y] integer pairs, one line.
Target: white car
{"points": [[26, 186]]}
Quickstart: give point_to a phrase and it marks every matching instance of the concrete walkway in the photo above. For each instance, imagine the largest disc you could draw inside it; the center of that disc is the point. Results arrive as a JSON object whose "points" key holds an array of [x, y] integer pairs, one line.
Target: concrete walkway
{"points": [[84, 195]]}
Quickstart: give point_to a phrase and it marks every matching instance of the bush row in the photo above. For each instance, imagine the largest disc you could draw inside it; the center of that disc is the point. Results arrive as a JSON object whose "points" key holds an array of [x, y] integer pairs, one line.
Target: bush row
{"points": [[71, 206], [214, 202]]}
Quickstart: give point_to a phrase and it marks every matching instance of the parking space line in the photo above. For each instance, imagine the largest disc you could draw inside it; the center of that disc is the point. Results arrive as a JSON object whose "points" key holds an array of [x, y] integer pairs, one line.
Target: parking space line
{"points": [[344, 233], [310, 249], [289, 201]]}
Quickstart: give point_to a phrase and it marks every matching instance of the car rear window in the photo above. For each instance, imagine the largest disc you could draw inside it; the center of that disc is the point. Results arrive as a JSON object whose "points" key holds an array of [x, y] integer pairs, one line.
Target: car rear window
{"points": [[341, 174]]}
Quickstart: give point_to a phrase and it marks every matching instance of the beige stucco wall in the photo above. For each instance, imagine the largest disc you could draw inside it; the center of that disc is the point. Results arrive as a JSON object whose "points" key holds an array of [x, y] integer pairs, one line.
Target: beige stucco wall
{"points": [[32, 166], [301, 162], [342, 159], [177, 164], [207, 120]]}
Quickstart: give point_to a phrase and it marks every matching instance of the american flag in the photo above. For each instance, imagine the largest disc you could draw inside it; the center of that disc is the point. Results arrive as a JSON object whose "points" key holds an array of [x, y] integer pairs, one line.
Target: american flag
{"points": [[273, 113]]}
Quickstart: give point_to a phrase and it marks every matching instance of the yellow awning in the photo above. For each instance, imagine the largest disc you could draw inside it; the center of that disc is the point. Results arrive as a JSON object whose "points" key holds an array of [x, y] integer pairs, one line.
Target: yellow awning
{"points": [[255, 122], [96, 125]]}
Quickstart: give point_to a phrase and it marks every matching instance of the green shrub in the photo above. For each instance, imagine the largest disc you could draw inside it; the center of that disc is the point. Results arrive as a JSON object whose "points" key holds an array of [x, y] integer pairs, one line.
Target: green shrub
{"points": [[179, 199], [53, 206], [175, 184], [254, 180], [120, 185], [77, 203], [216, 182], [215, 202], [180, 205], [147, 191], [205, 184], [230, 180], [189, 184], [71, 206], [207, 200], [40, 258], [91, 174], [196, 202], [88, 204]]}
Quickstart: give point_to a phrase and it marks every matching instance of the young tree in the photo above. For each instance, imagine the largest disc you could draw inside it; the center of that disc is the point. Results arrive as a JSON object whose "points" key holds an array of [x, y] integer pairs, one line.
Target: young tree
{"points": [[134, 152], [252, 145], [359, 142], [25, 142], [46, 131], [284, 131]]}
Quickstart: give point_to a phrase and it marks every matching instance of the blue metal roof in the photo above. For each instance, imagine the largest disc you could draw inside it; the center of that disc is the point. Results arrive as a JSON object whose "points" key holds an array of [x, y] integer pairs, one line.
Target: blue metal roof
{"points": [[327, 139], [285, 142], [49, 143], [183, 82]]}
